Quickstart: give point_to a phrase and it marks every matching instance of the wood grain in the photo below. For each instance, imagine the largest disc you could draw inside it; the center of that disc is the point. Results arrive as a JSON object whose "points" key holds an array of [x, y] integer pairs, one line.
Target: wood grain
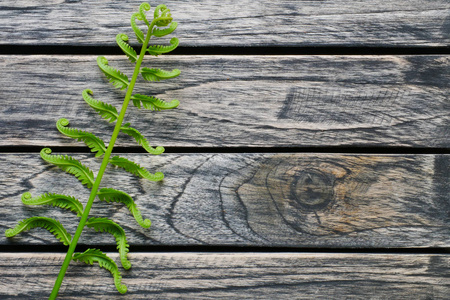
{"points": [[235, 276], [264, 101], [268, 200], [235, 23], [216, 200]]}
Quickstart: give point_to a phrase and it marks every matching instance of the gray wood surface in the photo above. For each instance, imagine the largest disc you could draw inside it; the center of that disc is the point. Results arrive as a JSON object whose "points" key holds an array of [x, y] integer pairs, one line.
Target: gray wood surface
{"points": [[235, 23], [289, 201], [235, 276], [266, 101], [269, 200]]}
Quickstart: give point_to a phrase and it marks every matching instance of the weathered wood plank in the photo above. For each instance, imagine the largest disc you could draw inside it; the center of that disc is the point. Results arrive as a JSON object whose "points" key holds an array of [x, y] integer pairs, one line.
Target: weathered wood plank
{"points": [[293, 101], [287, 200], [234, 276], [235, 23]]}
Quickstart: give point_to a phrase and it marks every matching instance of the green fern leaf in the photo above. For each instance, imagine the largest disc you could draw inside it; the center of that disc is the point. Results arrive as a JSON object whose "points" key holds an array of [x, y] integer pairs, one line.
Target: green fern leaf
{"points": [[142, 8], [121, 40], [70, 165], [159, 49], [93, 142], [139, 34], [162, 32], [52, 225], [107, 111], [94, 255], [153, 103], [162, 16], [135, 169], [117, 78], [106, 225], [158, 74], [61, 201], [142, 141], [108, 195], [159, 10]]}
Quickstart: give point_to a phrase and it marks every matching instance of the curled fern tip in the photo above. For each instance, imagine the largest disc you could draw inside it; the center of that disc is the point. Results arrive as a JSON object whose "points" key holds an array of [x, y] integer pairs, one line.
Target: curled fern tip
{"points": [[26, 196], [147, 223], [46, 151], [63, 122]]}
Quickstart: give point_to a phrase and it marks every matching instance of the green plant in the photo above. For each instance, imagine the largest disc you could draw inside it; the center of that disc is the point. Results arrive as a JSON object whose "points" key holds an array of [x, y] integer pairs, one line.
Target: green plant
{"points": [[160, 26]]}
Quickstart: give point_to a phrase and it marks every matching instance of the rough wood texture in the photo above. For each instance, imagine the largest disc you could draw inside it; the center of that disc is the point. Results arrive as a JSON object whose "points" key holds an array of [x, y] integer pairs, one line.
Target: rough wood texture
{"points": [[268, 101], [235, 276], [315, 201], [235, 23], [288, 200]]}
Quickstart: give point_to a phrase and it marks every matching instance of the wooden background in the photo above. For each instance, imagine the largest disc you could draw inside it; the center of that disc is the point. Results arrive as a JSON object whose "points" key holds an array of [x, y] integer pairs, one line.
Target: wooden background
{"points": [[309, 158]]}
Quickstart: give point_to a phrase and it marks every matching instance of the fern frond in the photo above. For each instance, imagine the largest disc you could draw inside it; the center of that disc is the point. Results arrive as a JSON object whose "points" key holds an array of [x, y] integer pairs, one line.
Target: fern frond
{"points": [[162, 32], [160, 49], [93, 142], [52, 225], [121, 40], [158, 11], [162, 16], [107, 111], [142, 141], [117, 78], [142, 8], [139, 34], [106, 225], [70, 165], [135, 169], [153, 103], [57, 200], [108, 195], [158, 74], [94, 255]]}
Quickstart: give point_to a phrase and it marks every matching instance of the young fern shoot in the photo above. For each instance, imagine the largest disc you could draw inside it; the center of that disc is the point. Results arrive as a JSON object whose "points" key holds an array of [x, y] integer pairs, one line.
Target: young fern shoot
{"points": [[161, 25]]}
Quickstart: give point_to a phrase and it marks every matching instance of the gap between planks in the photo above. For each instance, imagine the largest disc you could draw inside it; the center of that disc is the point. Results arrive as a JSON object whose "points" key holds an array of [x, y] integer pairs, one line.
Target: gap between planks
{"points": [[225, 51], [55, 249], [206, 150]]}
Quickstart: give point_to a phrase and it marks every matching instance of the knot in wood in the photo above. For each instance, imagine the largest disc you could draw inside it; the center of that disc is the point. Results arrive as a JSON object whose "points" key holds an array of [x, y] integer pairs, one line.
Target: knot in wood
{"points": [[311, 189]]}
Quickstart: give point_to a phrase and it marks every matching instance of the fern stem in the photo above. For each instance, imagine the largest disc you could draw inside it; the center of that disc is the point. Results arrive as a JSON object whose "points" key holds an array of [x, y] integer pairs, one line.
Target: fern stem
{"points": [[103, 166]]}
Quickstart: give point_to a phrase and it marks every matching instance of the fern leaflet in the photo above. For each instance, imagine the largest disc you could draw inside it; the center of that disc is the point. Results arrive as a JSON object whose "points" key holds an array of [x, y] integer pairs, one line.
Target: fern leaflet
{"points": [[93, 142], [107, 111], [135, 169], [139, 34], [158, 74], [159, 49], [142, 8], [142, 141], [70, 165], [117, 78], [121, 40], [106, 225], [162, 32], [108, 195], [153, 103], [94, 255], [61, 201], [52, 225]]}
